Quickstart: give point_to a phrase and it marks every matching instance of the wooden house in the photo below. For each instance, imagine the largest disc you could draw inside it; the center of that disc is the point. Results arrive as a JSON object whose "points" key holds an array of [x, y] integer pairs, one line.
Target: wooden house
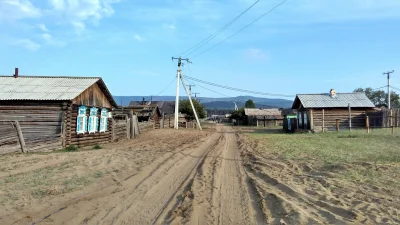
{"points": [[55, 112], [263, 117], [315, 111]]}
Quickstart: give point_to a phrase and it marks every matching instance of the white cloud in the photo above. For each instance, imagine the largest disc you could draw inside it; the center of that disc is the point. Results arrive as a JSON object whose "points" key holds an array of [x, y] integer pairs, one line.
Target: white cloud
{"points": [[80, 12], [17, 9], [171, 27], [139, 38], [255, 54], [42, 27], [51, 41], [27, 44]]}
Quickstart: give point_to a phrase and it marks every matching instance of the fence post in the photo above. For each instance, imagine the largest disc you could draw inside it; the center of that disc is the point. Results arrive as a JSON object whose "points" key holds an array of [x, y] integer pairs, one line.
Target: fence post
{"points": [[367, 123], [136, 125], [128, 135], [20, 137], [349, 117], [311, 120], [132, 124], [323, 120], [337, 125]]}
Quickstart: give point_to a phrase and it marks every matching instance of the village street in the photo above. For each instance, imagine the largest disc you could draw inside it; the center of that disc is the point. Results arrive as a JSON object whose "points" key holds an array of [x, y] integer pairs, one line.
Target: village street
{"points": [[181, 177]]}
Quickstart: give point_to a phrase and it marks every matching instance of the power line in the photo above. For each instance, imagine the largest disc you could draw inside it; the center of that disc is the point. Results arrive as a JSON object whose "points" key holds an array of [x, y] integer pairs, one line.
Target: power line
{"points": [[397, 89], [236, 89], [212, 36], [240, 29], [213, 91], [378, 88], [165, 87]]}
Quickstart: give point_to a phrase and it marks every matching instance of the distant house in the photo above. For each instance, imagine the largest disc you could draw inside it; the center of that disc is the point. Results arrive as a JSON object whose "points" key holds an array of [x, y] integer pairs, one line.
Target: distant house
{"points": [[55, 112], [317, 110], [263, 117], [144, 113]]}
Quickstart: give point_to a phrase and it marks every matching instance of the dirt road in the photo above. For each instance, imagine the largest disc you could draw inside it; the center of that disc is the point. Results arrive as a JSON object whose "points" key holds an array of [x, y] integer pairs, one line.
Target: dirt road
{"points": [[216, 179]]}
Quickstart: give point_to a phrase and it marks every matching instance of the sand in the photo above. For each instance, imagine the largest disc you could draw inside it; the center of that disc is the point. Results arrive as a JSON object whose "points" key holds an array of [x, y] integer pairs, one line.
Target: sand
{"points": [[183, 177]]}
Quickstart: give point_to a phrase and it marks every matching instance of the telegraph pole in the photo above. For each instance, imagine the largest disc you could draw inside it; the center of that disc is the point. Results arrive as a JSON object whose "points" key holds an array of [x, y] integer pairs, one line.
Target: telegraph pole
{"points": [[388, 78], [190, 88], [180, 77], [195, 95]]}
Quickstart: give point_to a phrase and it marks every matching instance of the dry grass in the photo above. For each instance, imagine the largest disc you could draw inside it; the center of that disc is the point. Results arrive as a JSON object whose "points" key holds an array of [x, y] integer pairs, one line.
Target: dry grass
{"points": [[356, 156]]}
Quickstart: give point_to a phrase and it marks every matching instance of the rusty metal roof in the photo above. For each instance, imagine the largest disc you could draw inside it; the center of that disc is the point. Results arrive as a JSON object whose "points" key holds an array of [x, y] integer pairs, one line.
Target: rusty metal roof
{"points": [[342, 100], [48, 88]]}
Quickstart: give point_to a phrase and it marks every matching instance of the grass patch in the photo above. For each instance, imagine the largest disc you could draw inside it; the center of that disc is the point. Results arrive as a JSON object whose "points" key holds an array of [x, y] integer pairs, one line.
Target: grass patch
{"points": [[97, 147], [71, 148], [335, 148], [354, 156]]}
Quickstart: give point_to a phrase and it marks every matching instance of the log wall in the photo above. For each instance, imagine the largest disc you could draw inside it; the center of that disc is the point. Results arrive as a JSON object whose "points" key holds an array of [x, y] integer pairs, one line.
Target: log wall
{"points": [[331, 115], [85, 139], [41, 122], [8, 138]]}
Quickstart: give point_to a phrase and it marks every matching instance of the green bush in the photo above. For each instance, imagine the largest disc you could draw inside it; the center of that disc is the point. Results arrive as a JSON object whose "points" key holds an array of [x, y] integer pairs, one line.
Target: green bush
{"points": [[97, 146], [71, 148]]}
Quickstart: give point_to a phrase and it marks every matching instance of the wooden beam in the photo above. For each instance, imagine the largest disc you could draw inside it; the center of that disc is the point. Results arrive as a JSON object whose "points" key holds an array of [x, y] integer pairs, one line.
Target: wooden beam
{"points": [[311, 120], [323, 120], [20, 137]]}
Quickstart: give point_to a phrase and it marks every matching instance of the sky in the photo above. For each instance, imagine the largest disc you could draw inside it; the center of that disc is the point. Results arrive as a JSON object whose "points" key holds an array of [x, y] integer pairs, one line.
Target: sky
{"points": [[303, 46]]}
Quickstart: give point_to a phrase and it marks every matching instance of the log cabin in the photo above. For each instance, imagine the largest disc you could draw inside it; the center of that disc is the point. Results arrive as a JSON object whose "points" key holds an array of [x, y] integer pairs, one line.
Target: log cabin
{"points": [[263, 117], [56, 112], [332, 110]]}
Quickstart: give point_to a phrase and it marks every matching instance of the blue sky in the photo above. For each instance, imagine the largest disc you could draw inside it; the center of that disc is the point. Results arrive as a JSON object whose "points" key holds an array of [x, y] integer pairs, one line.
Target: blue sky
{"points": [[304, 46]]}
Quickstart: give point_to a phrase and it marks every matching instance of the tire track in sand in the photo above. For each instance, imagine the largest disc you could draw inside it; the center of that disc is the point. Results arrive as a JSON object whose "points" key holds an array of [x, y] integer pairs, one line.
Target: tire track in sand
{"points": [[221, 191]]}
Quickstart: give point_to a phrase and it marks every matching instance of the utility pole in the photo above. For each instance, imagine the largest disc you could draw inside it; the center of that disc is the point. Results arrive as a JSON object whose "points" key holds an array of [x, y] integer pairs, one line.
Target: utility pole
{"points": [[180, 77], [388, 78], [195, 95], [190, 88]]}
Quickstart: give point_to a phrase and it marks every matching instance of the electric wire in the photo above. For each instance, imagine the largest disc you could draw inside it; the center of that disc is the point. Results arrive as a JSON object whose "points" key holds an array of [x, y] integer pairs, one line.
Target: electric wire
{"points": [[258, 18], [235, 89], [397, 89], [165, 87], [212, 36]]}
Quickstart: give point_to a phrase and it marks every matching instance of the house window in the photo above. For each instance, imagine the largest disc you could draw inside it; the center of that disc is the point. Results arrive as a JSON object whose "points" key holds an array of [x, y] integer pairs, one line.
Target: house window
{"points": [[93, 121], [300, 120], [81, 120], [103, 120], [305, 120]]}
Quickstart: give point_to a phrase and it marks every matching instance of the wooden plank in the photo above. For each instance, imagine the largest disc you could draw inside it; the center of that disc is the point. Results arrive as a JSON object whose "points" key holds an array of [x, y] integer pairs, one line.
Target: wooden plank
{"points": [[323, 120], [20, 137]]}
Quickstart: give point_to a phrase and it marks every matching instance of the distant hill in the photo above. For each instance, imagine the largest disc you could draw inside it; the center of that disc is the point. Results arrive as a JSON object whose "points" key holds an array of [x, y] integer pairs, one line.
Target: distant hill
{"points": [[214, 103]]}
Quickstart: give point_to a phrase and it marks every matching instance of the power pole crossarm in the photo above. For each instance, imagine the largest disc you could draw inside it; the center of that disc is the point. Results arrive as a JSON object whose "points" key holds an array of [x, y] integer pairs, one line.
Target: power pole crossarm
{"points": [[388, 78]]}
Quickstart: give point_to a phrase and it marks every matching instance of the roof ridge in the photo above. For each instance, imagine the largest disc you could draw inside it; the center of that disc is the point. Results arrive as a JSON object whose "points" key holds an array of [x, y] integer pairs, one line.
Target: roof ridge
{"points": [[336, 93], [33, 76]]}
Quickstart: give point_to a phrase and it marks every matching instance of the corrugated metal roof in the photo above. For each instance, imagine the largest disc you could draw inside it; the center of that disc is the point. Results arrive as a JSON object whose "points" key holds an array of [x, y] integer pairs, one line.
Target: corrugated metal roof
{"points": [[43, 88], [356, 100], [262, 112]]}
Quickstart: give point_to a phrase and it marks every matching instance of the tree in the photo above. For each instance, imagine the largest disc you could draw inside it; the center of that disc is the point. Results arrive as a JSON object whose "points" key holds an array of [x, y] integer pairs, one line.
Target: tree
{"points": [[249, 104], [380, 97], [237, 114], [186, 108]]}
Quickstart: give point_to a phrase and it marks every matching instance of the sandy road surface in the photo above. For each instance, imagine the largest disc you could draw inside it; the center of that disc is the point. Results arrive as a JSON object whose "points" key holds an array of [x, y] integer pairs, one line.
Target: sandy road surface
{"points": [[157, 194], [217, 178]]}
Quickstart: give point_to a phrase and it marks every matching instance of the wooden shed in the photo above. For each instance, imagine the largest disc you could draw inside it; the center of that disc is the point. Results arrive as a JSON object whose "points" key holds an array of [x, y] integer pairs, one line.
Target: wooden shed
{"points": [[315, 111], [263, 117], [55, 112]]}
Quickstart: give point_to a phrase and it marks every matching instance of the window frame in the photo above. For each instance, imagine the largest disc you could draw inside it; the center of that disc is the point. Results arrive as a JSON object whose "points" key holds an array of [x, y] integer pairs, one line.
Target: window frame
{"points": [[103, 126], [81, 120], [93, 120]]}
